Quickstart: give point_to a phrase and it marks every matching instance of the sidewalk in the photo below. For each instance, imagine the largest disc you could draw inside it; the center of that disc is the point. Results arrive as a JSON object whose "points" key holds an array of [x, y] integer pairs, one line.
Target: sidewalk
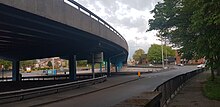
{"points": [[191, 94]]}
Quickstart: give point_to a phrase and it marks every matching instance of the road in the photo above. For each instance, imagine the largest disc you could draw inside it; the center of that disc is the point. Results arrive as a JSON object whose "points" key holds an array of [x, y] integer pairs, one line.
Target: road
{"points": [[40, 72], [109, 96]]}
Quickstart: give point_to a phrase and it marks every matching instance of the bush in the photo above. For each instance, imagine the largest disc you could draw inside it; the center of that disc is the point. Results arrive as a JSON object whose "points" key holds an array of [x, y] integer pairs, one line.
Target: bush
{"points": [[211, 89]]}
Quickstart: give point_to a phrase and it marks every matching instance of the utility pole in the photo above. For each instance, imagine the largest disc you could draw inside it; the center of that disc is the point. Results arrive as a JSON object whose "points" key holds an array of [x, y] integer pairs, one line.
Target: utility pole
{"points": [[2, 72], [136, 38], [162, 52], [166, 50], [53, 64]]}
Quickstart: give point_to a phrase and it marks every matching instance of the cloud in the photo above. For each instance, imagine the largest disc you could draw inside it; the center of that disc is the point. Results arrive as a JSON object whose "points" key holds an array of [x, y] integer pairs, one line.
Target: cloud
{"points": [[140, 4], [133, 46], [129, 17], [113, 4], [128, 13]]}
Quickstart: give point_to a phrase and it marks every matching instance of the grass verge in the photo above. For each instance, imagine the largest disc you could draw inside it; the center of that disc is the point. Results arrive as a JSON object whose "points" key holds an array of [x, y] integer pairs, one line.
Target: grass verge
{"points": [[211, 89]]}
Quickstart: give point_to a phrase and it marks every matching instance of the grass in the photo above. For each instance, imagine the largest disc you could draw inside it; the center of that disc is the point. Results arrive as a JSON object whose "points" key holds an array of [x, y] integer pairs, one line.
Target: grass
{"points": [[211, 89]]}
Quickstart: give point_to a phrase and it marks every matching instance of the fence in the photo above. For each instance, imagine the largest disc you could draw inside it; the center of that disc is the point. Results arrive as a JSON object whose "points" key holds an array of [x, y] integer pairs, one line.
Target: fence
{"points": [[54, 77], [170, 87], [10, 96]]}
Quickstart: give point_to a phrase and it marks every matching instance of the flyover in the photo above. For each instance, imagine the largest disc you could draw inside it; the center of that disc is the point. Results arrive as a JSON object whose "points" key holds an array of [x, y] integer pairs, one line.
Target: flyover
{"points": [[32, 29]]}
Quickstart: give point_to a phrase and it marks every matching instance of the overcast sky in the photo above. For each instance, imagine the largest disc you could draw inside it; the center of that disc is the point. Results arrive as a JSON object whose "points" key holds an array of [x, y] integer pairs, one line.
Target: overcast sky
{"points": [[128, 17]]}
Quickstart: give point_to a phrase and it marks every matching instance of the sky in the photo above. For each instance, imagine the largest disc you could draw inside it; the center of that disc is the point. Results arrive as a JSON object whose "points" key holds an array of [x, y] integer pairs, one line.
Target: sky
{"points": [[129, 18]]}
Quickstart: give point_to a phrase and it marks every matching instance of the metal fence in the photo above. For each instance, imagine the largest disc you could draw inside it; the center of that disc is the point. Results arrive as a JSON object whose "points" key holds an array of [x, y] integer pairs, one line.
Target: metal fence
{"points": [[17, 95], [170, 87], [54, 77]]}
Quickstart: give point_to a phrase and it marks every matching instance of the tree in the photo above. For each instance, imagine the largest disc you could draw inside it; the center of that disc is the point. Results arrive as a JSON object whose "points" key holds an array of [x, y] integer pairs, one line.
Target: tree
{"points": [[6, 64], [155, 52], [82, 63], [49, 64], [27, 63], [193, 25], [137, 55]]}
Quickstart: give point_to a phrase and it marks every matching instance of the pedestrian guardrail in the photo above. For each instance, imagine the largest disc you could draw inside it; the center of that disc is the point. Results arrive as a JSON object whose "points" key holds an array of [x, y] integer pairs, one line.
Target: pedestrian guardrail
{"points": [[162, 93], [40, 91], [170, 87], [54, 77]]}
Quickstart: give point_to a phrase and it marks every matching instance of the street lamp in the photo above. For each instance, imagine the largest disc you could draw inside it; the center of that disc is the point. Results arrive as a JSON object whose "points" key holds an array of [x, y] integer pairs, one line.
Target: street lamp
{"points": [[162, 52], [53, 64], [2, 71]]}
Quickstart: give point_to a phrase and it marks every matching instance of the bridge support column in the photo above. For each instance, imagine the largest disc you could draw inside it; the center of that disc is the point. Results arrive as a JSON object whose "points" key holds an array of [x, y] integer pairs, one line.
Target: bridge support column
{"points": [[15, 71], [93, 66], [108, 68], [72, 68], [101, 67], [105, 65]]}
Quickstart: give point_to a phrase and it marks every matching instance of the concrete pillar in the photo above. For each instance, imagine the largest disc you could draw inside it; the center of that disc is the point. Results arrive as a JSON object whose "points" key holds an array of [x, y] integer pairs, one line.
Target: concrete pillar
{"points": [[108, 68], [116, 68], [72, 68], [93, 64], [15, 70], [105, 65], [101, 67]]}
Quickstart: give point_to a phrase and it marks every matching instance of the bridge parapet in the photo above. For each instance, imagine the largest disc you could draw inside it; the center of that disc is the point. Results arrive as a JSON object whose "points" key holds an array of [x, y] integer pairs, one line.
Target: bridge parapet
{"points": [[78, 17]]}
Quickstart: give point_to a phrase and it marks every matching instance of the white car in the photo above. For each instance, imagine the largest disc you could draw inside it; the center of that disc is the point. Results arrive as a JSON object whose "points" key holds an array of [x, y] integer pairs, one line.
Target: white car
{"points": [[151, 65], [201, 66], [180, 64]]}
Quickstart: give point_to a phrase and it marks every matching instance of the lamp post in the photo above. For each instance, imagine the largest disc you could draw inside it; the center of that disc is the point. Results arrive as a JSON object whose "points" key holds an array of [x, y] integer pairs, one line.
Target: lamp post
{"points": [[136, 38], [162, 52], [2, 71], [53, 64], [166, 51]]}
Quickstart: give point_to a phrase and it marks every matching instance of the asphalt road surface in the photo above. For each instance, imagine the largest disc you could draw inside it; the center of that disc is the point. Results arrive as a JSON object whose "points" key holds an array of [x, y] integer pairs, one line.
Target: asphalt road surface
{"points": [[114, 95]]}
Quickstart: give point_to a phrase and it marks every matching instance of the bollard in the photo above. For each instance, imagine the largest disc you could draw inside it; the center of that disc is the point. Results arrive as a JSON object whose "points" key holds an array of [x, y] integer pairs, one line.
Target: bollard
{"points": [[139, 74]]}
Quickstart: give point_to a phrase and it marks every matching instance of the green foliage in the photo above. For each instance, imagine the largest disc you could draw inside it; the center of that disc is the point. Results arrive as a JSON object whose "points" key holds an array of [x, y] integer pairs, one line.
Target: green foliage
{"points": [[193, 25], [6, 64], [27, 63], [155, 52], [211, 89], [49, 64], [137, 55], [82, 63]]}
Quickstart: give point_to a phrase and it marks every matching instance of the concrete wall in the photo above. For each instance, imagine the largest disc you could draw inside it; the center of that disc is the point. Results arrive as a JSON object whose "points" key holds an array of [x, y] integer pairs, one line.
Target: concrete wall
{"points": [[59, 11]]}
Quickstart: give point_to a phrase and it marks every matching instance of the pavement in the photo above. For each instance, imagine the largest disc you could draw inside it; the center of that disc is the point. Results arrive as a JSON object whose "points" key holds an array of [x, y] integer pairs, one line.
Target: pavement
{"points": [[191, 94], [113, 91]]}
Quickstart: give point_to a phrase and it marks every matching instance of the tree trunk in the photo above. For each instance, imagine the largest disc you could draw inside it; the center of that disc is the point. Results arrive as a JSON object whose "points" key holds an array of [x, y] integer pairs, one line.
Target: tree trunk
{"points": [[212, 73], [218, 71]]}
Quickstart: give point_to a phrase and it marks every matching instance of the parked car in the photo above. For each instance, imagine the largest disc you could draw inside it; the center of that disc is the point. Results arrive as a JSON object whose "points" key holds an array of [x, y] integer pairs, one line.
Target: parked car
{"points": [[201, 66], [180, 64], [151, 65]]}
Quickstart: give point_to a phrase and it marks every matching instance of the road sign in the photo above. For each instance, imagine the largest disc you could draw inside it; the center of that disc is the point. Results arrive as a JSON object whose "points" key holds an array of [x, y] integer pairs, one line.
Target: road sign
{"points": [[98, 58]]}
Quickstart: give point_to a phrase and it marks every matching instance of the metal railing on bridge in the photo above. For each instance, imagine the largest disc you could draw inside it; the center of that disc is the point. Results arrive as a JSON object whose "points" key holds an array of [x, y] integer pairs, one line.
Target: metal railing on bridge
{"points": [[17, 95], [54, 77], [94, 16]]}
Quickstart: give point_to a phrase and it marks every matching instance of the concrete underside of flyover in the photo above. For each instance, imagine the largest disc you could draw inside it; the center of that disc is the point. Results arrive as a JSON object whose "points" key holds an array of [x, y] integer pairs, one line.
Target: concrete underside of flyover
{"points": [[24, 36]]}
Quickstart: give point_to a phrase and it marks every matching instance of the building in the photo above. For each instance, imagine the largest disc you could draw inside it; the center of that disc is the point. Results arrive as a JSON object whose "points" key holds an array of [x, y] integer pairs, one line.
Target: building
{"points": [[179, 60]]}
